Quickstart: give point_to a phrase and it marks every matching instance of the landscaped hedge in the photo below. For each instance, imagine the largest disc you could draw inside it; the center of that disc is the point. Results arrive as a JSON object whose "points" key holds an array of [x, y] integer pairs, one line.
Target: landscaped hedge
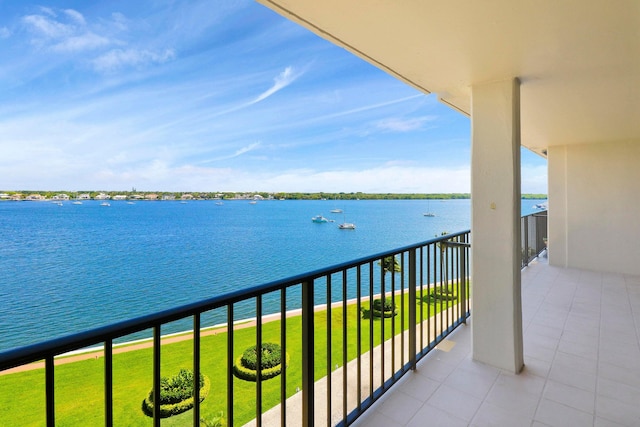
{"points": [[246, 366], [386, 309], [176, 394], [442, 295]]}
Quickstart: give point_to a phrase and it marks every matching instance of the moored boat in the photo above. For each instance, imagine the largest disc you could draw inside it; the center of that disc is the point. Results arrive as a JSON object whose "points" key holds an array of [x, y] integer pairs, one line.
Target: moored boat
{"points": [[347, 226], [319, 219]]}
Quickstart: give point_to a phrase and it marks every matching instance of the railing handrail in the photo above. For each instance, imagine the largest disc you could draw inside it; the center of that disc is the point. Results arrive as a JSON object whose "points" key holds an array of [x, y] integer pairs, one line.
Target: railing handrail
{"points": [[35, 352]]}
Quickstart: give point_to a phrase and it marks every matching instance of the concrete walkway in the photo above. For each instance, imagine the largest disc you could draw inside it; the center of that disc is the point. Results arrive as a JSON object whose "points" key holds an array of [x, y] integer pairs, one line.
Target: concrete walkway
{"points": [[294, 404]]}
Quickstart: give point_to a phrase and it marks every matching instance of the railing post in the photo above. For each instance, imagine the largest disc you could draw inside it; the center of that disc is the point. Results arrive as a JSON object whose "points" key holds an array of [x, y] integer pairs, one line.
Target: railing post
{"points": [[307, 354], [525, 235], [156, 375], [196, 369], [463, 288], [108, 383], [412, 308], [50, 391], [230, 361]]}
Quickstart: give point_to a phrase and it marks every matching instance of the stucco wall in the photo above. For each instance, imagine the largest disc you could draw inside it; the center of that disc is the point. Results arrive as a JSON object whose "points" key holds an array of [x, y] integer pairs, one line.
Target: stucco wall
{"points": [[594, 206]]}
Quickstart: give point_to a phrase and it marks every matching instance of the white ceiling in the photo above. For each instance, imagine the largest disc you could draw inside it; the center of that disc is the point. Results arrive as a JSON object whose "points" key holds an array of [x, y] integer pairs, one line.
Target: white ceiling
{"points": [[578, 60]]}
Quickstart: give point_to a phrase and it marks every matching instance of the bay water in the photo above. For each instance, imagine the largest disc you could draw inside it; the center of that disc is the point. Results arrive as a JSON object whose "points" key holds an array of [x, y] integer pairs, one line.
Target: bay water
{"points": [[69, 268]]}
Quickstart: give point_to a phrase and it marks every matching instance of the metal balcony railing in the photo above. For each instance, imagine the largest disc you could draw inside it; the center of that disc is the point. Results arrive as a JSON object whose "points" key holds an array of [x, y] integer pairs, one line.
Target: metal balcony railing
{"points": [[426, 285], [534, 235]]}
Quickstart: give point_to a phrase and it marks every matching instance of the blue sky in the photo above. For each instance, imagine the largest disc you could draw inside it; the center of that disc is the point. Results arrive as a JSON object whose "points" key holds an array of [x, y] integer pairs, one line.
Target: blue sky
{"points": [[212, 96]]}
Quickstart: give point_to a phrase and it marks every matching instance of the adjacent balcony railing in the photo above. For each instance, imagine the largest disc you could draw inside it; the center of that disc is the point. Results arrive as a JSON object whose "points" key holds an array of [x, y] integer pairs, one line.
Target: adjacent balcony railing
{"points": [[534, 235]]}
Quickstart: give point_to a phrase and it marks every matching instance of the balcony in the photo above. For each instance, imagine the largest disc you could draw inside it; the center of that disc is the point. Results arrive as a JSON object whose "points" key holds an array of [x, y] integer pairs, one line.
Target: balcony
{"points": [[428, 283], [582, 362]]}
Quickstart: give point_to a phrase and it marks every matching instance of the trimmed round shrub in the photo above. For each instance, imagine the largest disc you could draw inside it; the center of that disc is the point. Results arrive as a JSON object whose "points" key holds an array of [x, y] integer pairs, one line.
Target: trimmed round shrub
{"points": [[270, 356], [386, 308], [176, 394], [246, 366]]}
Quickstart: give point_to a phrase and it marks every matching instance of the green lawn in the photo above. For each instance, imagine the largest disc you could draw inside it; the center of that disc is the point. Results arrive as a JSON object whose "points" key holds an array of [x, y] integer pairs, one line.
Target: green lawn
{"points": [[79, 385]]}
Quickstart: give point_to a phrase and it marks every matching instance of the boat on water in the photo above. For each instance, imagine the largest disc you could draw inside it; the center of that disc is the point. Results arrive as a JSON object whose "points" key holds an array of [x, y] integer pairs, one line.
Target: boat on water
{"points": [[253, 202], [347, 226], [76, 203], [219, 203], [428, 212], [336, 211], [105, 204], [319, 219]]}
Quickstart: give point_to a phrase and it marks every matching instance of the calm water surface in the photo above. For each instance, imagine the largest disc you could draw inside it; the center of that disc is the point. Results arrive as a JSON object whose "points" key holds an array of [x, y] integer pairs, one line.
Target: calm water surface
{"points": [[64, 269]]}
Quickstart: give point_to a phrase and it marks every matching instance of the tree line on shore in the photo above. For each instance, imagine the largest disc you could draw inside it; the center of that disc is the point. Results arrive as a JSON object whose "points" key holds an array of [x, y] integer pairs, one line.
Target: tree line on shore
{"points": [[266, 195]]}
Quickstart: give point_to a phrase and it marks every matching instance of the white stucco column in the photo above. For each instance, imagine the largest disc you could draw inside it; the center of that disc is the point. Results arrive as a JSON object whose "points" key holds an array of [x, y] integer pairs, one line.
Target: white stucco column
{"points": [[495, 225]]}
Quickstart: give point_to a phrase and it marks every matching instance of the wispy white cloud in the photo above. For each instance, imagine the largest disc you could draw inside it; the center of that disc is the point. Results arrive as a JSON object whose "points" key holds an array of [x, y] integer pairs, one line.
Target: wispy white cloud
{"points": [[369, 107], [237, 153], [116, 59], [119, 21], [71, 35], [76, 16], [87, 41], [48, 11], [404, 125], [281, 81], [47, 27]]}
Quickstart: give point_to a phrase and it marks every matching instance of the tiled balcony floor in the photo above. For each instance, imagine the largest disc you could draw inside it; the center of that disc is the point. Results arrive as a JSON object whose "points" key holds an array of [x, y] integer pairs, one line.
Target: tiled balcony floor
{"points": [[582, 363]]}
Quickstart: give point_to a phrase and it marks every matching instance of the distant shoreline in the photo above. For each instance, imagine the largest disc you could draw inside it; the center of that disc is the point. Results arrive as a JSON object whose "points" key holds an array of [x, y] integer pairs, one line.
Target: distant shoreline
{"points": [[55, 196]]}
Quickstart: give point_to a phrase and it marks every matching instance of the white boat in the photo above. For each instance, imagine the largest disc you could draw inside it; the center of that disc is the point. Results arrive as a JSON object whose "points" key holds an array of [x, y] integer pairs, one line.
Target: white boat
{"points": [[253, 202], [347, 226], [219, 203], [319, 219], [336, 211], [429, 213], [77, 203], [105, 204]]}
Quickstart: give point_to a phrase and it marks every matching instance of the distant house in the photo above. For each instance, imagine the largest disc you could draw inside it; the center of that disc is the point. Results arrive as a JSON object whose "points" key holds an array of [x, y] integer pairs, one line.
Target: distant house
{"points": [[168, 197], [102, 196], [137, 197], [151, 197], [119, 197], [4, 196], [60, 197], [187, 197], [35, 197], [84, 196]]}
